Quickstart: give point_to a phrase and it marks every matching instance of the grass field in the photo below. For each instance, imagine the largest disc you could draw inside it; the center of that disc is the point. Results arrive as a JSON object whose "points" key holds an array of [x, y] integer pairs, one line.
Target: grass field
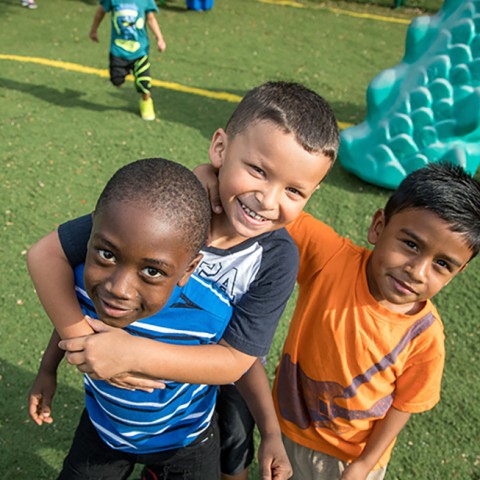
{"points": [[64, 130]]}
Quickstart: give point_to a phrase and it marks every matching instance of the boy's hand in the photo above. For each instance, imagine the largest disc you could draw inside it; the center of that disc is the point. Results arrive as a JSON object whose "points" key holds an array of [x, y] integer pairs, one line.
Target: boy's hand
{"points": [[94, 35], [99, 356], [136, 382], [40, 397], [355, 471], [207, 175], [161, 45], [273, 459]]}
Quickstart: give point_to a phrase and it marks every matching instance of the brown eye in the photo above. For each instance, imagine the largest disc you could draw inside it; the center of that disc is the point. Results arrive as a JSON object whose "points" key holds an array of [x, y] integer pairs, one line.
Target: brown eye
{"points": [[106, 255], [295, 191], [152, 272]]}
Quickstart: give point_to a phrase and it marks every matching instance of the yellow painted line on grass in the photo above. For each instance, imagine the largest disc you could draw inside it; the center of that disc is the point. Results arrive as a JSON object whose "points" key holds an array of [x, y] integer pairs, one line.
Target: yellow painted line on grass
{"points": [[284, 3], [370, 16], [75, 67], [338, 11], [344, 125]]}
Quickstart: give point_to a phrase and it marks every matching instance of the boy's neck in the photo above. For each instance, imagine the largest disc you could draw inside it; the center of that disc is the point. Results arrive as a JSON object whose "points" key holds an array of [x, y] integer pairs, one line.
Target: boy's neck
{"points": [[222, 235]]}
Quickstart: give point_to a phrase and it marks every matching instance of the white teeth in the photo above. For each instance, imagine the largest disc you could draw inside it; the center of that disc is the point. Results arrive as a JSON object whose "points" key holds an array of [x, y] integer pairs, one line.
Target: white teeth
{"points": [[252, 214]]}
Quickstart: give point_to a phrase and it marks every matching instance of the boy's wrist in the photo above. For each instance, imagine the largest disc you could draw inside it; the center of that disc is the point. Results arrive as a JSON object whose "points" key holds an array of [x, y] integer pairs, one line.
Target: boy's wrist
{"points": [[269, 429], [47, 369]]}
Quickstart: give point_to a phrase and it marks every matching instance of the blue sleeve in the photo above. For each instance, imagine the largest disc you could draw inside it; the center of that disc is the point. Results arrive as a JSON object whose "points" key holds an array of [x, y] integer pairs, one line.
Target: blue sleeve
{"points": [[150, 6], [74, 236], [256, 316], [106, 5]]}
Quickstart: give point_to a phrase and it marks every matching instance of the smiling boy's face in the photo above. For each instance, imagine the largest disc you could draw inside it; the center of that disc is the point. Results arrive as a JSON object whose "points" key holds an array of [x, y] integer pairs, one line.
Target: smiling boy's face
{"points": [[134, 261], [265, 178], [416, 254]]}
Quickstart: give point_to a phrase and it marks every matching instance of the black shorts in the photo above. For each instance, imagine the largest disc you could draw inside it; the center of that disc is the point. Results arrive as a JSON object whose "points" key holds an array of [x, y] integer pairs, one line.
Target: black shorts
{"points": [[236, 431], [90, 458], [120, 68]]}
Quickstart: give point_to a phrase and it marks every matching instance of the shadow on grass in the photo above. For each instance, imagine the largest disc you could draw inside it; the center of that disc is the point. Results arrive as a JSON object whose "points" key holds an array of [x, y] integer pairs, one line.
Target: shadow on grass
{"points": [[201, 113], [25, 448], [67, 98], [194, 111], [10, 6]]}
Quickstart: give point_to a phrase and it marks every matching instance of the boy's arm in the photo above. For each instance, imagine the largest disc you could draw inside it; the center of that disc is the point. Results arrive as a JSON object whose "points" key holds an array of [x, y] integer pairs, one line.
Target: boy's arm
{"points": [[383, 434], [54, 282], [208, 176], [272, 457], [155, 28], [45, 383], [97, 20], [204, 364]]}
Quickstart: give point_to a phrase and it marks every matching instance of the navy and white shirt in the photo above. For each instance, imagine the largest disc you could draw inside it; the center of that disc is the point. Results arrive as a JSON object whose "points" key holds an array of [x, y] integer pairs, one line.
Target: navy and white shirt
{"points": [[258, 276], [141, 422]]}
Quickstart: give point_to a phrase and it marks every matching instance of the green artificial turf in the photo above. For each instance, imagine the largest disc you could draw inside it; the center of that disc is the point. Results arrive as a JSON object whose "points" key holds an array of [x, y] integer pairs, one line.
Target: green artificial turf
{"points": [[64, 132]]}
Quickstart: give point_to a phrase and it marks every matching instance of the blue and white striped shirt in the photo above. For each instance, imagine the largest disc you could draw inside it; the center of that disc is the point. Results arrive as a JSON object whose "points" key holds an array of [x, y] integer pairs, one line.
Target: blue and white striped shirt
{"points": [[141, 422]]}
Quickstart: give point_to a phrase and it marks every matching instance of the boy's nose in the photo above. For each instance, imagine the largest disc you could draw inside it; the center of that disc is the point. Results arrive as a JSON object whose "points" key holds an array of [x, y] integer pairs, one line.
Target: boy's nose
{"points": [[418, 269], [120, 285], [268, 198]]}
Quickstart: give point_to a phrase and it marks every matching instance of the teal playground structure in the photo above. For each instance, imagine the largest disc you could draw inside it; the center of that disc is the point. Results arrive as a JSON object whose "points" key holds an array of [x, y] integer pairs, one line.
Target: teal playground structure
{"points": [[427, 108]]}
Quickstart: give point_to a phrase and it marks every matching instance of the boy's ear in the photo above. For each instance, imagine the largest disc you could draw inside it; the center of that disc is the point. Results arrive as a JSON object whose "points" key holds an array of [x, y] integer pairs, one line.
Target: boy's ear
{"points": [[189, 270], [377, 226], [217, 149]]}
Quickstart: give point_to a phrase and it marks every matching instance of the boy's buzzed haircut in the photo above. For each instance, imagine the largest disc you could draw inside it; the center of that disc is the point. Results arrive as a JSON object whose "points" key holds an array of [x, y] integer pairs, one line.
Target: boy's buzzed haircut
{"points": [[167, 188], [448, 191], [294, 108]]}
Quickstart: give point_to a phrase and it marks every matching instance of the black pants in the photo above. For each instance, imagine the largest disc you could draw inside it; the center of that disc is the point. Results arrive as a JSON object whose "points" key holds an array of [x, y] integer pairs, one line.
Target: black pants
{"points": [[90, 458], [236, 426]]}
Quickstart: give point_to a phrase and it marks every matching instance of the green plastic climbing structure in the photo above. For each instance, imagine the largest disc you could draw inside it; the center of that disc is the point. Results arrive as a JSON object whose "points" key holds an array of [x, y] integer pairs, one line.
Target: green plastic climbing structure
{"points": [[427, 108]]}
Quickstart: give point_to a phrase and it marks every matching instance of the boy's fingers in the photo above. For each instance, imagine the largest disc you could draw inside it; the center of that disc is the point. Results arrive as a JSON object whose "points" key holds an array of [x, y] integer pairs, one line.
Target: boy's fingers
{"points": [[39, 412], [98, 326], [216, 204], [45, 414], [72, 344], [33, 406], [131, 382]]}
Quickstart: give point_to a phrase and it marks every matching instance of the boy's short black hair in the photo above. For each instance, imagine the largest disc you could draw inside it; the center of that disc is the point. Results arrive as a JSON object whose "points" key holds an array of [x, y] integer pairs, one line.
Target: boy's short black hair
{"points": [[447, 190], [293, 108], [166, 188]]}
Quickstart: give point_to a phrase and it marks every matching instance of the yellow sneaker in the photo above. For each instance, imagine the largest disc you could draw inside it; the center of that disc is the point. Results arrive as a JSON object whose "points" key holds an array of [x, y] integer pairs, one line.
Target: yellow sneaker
{"points": [[146, 109]]}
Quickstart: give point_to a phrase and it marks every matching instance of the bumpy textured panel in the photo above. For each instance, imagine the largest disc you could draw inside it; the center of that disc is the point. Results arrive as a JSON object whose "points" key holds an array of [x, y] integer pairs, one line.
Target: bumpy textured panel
{"points": [[427, 108]]}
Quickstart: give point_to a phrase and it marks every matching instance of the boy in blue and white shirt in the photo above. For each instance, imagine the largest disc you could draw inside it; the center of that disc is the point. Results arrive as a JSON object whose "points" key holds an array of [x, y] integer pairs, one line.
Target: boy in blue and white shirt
{"points": [[137, 276]]}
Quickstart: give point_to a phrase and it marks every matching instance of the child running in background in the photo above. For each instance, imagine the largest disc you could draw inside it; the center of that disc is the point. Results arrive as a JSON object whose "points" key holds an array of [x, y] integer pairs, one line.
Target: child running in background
{"points": [[142, 252], [129, 45], [277, 147], [365, 347]]}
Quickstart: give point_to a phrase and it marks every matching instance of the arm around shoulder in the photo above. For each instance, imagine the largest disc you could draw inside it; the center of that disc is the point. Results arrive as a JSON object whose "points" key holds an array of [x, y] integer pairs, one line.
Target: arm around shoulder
{"points": [[53, 279], [203, 364]]}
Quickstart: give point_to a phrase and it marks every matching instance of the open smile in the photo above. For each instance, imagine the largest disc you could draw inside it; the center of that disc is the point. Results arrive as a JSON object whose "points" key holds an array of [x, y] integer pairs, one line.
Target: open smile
{"points": [[252, 214]]}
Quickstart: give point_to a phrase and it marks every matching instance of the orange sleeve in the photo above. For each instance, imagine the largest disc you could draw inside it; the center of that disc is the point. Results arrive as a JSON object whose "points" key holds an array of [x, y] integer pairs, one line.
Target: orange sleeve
{"points": [[316, 243]]}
